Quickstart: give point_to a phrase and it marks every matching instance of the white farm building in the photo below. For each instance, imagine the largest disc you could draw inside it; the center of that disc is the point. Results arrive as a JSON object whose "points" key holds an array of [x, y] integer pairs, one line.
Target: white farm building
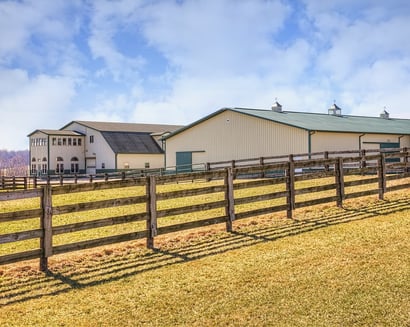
{"points": [[97, 147], [242, 133]]}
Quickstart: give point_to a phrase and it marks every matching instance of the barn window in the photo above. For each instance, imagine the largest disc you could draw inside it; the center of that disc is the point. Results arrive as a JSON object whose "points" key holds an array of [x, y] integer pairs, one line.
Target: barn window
{"points": [[91, 138]]}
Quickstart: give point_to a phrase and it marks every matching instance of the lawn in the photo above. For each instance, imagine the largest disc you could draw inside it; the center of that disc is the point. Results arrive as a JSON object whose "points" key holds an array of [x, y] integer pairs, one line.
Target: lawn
{"points": [[328, 266]]}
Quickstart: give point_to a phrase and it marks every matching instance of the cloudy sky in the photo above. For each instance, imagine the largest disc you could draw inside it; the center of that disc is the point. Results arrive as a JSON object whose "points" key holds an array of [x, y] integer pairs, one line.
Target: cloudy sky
{"points": [[175, 61]]}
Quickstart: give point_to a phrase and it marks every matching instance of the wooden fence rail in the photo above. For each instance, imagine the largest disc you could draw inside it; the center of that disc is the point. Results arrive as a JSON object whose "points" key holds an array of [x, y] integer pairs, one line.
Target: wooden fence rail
{"points": [[226, 194]]}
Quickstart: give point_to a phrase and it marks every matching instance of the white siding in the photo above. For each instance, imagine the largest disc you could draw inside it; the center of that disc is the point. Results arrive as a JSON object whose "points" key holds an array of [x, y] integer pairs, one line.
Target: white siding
{"points": [[231, 135], [99, 149]]}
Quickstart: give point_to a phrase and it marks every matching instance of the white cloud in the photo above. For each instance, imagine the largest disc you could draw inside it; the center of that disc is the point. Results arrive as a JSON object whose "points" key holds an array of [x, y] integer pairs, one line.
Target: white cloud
{"points": [[32, 103]]}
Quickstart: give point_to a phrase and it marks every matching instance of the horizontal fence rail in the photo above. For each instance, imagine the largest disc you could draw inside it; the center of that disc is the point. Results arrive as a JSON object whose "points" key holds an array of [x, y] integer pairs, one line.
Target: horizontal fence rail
{"points": [[145, 207]]}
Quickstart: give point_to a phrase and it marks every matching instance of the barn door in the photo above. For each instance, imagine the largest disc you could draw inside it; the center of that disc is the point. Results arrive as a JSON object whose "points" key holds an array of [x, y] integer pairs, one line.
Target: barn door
{"points": [[184, 162], [390, 146]]}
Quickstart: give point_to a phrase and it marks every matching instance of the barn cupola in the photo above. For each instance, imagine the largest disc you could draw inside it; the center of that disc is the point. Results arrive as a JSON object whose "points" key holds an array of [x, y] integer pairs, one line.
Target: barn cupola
{"points": [[277, 107], [334, 110], [384, 114]]}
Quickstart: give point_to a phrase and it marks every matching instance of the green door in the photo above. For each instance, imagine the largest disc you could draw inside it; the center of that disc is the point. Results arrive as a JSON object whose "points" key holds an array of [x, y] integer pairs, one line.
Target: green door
{"points": [[390, 146], [184, 162]]}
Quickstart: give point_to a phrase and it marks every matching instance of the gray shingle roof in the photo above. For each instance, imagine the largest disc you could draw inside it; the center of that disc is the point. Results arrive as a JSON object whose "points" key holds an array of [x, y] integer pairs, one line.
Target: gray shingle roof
{"points": [[57, 132], [126, 127], [129, 142]]}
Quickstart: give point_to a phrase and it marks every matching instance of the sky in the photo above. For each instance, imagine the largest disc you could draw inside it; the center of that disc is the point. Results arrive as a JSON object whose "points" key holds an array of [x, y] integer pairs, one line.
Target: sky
{"points": [[176, 61]]}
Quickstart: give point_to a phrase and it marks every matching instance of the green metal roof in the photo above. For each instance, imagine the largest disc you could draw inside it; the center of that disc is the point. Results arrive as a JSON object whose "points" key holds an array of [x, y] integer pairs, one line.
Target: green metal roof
{"points": [[332, 123], [320, 122]]}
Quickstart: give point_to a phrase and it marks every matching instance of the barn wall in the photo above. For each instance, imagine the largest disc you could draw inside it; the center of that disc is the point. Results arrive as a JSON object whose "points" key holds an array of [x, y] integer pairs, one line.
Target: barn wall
{"points": [[325, 141], [232, 135], [137, 161]]}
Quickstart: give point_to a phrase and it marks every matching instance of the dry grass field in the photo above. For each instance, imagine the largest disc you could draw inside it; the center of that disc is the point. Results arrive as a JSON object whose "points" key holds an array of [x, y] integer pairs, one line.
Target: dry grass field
{"points": [[328, 266]]}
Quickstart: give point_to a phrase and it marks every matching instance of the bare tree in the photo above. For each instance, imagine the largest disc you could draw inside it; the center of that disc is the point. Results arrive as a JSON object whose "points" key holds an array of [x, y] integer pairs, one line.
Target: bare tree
{"points": [[14, 163]]}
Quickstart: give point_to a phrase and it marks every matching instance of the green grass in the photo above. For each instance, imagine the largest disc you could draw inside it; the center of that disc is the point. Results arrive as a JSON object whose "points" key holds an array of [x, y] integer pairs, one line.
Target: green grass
{"points": [[327, 267]]}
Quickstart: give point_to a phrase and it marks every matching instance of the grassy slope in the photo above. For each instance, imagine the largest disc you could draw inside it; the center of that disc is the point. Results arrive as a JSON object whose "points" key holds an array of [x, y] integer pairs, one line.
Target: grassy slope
{"points": [[329, 267]]}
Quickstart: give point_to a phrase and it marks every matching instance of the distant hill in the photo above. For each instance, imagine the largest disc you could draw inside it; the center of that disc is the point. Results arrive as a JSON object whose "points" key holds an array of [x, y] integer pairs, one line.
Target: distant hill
{"points": [[14, 163]]}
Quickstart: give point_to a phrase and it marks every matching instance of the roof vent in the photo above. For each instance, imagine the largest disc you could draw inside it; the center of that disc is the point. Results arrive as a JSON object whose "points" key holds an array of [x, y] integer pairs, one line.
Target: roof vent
{"points": [[334, 110], [277, 107], [384, 114]]}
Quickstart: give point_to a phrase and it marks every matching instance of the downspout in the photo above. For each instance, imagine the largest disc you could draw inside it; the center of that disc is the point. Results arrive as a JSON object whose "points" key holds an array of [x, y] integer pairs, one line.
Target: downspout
{"points": [[116, 161], [360, 141], [400, 140], [48, 156], [310, 133]]}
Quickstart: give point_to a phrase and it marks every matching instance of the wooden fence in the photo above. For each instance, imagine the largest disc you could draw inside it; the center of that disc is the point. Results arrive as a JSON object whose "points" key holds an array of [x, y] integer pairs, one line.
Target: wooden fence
{"points": [[62, 179], [285, 186]]}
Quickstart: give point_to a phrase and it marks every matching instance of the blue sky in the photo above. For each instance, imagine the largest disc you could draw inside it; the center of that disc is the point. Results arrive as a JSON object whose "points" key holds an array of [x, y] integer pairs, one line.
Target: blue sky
{"points": [[166, 61]]}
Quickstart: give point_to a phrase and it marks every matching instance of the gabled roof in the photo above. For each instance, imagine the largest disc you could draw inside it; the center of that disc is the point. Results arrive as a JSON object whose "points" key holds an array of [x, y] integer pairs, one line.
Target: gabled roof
{"points": [[320, 122], [56, 132], [129, 142], [126, 127]]}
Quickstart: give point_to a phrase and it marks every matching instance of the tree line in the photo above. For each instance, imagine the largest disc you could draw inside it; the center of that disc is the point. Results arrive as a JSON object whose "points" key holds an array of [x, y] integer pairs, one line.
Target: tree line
{"points": [[14, 163]]}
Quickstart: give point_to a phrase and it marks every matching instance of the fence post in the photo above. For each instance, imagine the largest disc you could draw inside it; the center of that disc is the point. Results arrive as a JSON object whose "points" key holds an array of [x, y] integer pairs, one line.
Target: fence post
{"points": [[363, 163], [406, 160], [261, 163], [381, 170], [75, 178], [25, 183], [151, 191], [326, 156], [46, 241], [290, 187], [229, 197], [14, 183], [61, 180], [339, 177], [35, 181]]}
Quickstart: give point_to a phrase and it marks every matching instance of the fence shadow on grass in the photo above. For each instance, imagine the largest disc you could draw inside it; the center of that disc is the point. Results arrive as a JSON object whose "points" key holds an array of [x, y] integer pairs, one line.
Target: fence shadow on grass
{"points": [[109, 267]]}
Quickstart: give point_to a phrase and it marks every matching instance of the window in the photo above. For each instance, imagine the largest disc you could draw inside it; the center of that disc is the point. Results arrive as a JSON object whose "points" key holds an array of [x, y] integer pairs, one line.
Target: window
{"points": [[64, 141], [74, 141], [146, 165], [44, 159], [91, 138], [126, 165], [54, 141], [33, 168], [60, 166], [79, 142], [69, 141], [103, 165], [33, 159], [44, 168], [74, 165], [59, 141]]}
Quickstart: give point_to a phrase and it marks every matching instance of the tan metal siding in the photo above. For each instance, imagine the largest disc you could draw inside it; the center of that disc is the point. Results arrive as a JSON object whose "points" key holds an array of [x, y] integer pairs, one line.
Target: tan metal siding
{"points": [[137, 161], [231, 135], [323, 141]]}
